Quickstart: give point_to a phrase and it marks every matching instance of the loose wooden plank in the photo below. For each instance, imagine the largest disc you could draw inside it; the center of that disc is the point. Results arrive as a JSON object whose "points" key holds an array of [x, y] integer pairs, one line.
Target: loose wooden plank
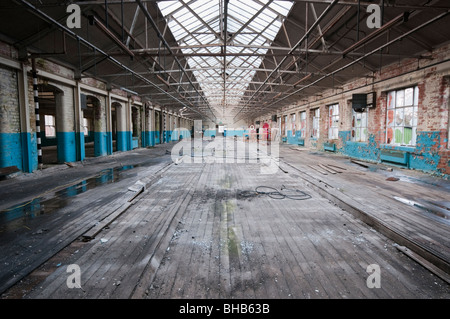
{"points": [[323, 172], [329, 170]]}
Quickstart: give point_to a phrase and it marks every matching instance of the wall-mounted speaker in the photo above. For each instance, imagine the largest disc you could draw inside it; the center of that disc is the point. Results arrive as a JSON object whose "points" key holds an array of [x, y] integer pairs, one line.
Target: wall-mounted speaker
{"points": [[360, 102]]}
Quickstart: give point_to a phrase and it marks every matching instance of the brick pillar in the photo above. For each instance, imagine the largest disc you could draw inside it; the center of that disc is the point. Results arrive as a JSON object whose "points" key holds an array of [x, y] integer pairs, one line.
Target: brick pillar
{"points": [[122, 134], [100, 136], [65, 125]]}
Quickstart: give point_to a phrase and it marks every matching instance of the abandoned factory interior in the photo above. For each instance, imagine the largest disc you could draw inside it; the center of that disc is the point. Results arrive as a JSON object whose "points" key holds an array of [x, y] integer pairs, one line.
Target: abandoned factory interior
{"points": [[224, 150]]}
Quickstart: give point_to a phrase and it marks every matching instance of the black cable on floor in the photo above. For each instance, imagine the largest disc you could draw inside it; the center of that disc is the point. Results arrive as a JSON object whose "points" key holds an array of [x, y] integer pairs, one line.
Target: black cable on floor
{"points": [[290, 193]]}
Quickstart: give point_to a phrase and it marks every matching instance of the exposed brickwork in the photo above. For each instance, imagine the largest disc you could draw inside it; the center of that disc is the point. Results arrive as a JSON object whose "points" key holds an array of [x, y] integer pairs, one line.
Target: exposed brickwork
{"points": [[9, 104], [10, 130], [432, 78]]}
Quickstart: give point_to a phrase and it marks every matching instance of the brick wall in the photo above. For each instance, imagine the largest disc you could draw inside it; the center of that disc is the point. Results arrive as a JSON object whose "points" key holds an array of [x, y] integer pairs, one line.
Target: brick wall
{"points": [[10, 133], [9, 104], [431, 152]]}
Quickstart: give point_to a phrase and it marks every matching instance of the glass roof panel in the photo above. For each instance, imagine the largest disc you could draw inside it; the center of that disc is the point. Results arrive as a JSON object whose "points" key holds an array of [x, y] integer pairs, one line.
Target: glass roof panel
{"points": [[198, 26]]}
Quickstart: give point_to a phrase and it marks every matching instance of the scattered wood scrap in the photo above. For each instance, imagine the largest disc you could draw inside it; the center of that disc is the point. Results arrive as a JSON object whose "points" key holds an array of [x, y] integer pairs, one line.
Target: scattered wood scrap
{"points": [[329, 170], [5, 171], [326, 169], [360, 163], [338, 167], [425, 263], [316, 168]]}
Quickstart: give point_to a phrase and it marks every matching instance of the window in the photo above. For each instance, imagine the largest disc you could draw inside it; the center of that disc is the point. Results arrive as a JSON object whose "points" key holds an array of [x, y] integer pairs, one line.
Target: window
{"points": [[86, 127], [285, 125], [402, 108], [333, 122], [360, 126], [316, 122], [50, 126], [293, 124], [303, 124]]}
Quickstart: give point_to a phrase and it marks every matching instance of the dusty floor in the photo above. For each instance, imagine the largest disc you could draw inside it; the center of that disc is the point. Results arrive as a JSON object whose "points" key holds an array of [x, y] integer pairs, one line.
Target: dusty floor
{"points": [[216, 230]]}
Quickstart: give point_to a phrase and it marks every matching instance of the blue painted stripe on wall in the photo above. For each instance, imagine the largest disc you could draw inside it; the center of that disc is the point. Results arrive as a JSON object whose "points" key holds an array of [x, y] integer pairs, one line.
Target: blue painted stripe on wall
{"points": [[66, 147], [167, 136], [135, 143], [209, 133], [148, 139], [11, 150], [109, 143], [81, 147], [239, 133], [426, 156], [175, 135], [100, 144], [122, 144], [129, 141], [293, 138], [29, 152], [184, 134]]}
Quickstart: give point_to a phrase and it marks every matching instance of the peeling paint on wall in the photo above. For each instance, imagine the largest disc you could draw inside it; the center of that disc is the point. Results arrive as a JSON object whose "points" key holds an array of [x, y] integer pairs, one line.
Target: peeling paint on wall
{"points": [[368, 151], [426, 156]]}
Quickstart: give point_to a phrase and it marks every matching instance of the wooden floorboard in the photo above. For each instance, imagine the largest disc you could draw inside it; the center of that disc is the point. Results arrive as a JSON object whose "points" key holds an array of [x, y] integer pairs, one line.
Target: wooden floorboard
{"points": [[202, 232]]}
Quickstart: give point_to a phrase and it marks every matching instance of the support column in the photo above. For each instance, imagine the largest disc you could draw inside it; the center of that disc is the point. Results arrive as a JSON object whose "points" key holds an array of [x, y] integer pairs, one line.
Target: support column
{"points": [[109, 125], [79, 129], [29, 158], [152, 126], [164, 128], [129, 125], [122, 135], [36, 108], [147, 127], [65, 126], [100, 148]]}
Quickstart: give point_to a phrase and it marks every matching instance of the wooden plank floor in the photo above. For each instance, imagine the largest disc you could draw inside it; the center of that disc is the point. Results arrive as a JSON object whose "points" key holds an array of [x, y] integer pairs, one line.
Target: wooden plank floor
{"points": [[202, 232], [371, 189]]}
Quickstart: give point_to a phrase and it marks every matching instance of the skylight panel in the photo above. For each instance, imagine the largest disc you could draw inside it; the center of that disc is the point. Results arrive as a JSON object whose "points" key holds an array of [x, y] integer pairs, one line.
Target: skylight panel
{"points": [[247, 24]]}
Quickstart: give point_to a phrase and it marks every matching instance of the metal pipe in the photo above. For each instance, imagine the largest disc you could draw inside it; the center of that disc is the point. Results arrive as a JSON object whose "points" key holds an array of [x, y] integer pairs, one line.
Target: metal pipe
{"points": [[374, 34], [123, 27], [357, 20], [111, 35], [36, 108], [106, 14]]}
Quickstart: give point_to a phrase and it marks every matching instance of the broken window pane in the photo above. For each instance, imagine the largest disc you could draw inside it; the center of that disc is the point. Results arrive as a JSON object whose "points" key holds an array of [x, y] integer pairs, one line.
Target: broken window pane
{"points": [[402, 116]]}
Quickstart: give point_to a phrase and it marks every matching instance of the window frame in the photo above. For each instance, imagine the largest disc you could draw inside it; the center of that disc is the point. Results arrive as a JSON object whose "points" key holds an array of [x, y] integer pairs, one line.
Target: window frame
{"points": [[302, 124], [354, 136], [86, 126], [333, 125], [315, 128], [293, 123], [396, 108], [52, 126]]}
